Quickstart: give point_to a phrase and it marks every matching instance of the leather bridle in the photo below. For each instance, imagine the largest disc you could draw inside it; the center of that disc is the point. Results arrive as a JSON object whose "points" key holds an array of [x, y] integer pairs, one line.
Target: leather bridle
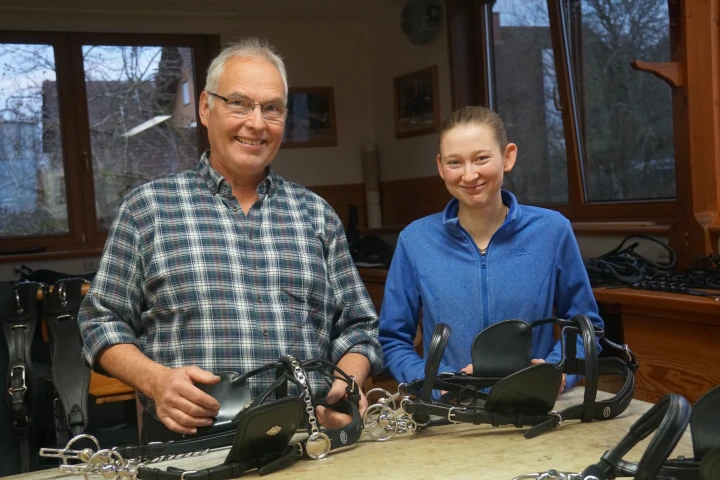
{"points": [[520, 395], [668, 419]]}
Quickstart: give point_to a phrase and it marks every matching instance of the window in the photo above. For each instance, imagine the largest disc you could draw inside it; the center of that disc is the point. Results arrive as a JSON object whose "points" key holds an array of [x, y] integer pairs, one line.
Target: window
{"points": [[526, 100], [138, 129], [83, 120], [32, 187], [626, 116]]}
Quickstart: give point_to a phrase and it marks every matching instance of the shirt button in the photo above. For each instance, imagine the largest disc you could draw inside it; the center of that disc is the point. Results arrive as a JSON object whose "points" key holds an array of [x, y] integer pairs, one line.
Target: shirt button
{"points": [[234, 209], [259, 299], [250, 237], [255, 266], [265, 333]]}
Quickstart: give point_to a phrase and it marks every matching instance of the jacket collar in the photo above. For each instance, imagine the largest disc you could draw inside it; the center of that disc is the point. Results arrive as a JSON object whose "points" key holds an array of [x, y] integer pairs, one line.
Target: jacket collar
{"points": [[450, 214]]}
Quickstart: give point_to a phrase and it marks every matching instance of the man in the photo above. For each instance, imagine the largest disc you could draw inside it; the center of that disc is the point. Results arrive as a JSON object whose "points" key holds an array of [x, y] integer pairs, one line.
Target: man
{"points": [[228, 266]]}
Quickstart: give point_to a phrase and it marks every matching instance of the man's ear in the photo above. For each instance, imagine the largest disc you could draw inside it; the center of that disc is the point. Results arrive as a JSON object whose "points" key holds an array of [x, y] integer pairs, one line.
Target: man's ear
{"points": [[510, 157], [204, 109], [439, 165]]}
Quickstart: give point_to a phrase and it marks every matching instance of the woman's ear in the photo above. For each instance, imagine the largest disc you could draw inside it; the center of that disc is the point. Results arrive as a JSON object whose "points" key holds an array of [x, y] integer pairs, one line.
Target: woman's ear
{"points": [[439, 164], [510, 156]]}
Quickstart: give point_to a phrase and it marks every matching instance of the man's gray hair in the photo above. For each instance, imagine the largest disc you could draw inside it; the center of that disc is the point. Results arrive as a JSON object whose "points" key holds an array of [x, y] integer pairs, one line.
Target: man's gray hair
{"points": [[251, 47]]}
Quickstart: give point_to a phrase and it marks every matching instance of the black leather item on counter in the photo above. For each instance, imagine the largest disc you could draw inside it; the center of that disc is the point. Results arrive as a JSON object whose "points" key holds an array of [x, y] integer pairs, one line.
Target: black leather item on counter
{"points": [[259, 432], [670, 416], [70, 373], [19, 320], [493, 356], [521, 394]]}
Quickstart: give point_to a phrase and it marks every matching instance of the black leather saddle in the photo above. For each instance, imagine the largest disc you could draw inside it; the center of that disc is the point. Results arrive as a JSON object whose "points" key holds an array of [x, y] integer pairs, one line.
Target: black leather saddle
{"points": [[668, 419], [520, 394], [260, 429]]}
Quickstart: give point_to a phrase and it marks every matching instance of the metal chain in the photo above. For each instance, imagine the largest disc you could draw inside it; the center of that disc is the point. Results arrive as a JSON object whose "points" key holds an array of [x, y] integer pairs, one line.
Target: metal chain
{"points": [[318, 444], [300, 376], [553, 474]]}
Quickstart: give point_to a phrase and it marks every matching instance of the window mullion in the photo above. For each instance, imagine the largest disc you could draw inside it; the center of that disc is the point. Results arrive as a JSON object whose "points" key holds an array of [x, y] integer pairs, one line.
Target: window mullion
{"points": [[568, 99], [68, 125], [83, 153]]}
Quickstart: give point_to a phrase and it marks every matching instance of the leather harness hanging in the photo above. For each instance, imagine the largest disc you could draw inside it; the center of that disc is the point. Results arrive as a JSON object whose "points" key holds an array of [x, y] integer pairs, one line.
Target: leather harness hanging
{"points": [[70, 373], [19, 320], [520, 395]]}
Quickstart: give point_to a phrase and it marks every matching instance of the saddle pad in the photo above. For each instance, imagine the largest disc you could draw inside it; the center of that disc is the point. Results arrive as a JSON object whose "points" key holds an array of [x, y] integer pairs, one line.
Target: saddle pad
{"points": [[531, 391], [705, 423], [502, 349], [232, 396], [266, 429]]}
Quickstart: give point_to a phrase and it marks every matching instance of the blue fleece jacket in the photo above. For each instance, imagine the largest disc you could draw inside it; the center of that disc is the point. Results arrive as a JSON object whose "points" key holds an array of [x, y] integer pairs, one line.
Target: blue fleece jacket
{"points": [[532, 264]]}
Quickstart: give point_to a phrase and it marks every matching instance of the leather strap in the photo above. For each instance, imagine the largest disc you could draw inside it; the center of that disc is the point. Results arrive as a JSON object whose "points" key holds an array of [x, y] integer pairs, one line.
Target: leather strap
{"points": [[70, 373], [668, 418], [19, 320], [226, 471]]}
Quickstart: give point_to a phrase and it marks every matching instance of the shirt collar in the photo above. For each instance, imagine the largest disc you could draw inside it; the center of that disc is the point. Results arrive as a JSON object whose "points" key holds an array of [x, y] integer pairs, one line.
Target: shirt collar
{"points": [[217, 184]]}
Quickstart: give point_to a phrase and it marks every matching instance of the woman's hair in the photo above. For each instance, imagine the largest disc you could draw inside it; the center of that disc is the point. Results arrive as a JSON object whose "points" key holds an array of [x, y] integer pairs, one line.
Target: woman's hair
{"points": [[473, 115], [250, 47]]}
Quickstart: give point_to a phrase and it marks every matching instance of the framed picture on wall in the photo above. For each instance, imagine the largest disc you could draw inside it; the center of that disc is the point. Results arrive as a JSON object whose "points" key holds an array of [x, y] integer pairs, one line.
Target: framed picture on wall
{"points": [[417, 103], [311, 118]]}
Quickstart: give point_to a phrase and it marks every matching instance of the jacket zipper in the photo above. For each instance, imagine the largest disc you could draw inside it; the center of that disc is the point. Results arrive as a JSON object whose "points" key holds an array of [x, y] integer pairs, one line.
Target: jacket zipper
{"points": [[485, 296]]}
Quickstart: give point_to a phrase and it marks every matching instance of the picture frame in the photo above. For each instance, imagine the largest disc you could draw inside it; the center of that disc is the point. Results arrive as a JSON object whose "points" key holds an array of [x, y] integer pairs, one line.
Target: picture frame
{"points": [[311, 118], [417, 103]]}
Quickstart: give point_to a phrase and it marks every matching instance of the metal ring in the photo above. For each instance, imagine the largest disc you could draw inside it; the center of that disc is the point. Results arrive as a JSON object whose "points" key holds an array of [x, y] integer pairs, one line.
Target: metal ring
{"points": [[318, 437]]}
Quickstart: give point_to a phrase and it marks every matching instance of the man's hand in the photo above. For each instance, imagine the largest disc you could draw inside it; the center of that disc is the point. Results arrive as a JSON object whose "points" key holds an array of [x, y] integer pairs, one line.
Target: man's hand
{"points": [[330, 418], [180, 405], [536, 361]]}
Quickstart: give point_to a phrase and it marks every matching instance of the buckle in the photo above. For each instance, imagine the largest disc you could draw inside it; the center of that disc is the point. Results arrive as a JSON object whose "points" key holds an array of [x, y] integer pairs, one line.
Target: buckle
{"points": [[450, 413], [18, 303], [23, 389], [559, 418]]}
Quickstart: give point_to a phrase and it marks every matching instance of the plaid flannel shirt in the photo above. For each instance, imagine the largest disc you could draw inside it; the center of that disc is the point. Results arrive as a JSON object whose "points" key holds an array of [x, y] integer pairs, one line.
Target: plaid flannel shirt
{"points": [[191, 280]]}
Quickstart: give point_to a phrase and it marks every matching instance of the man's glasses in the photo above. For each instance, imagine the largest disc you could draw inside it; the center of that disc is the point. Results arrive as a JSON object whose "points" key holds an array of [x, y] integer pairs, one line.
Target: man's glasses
{"points": [[243, 106]]}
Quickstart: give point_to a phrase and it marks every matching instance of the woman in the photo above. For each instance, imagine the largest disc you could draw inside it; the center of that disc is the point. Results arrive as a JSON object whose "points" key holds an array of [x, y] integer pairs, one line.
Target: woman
{"points": [[482, 260]]}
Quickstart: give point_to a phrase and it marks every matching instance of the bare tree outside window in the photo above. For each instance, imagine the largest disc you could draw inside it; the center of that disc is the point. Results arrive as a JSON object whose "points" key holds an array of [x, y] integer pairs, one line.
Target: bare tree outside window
{"points": [[626, 115], [140, 126], [32, 174]]}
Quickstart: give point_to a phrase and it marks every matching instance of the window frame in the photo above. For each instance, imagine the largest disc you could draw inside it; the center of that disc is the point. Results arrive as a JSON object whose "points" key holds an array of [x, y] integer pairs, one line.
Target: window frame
{"points": [[83, 234]]}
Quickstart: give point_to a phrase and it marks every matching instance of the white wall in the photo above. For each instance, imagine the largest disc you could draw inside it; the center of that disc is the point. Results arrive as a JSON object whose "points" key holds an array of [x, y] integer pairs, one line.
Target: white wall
{"points": [[393, 55], [324, 55]]}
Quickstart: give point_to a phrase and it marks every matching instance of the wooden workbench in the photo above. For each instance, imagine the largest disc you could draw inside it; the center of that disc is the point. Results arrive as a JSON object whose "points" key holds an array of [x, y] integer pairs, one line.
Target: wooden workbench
{"points": [[457, 451]]}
